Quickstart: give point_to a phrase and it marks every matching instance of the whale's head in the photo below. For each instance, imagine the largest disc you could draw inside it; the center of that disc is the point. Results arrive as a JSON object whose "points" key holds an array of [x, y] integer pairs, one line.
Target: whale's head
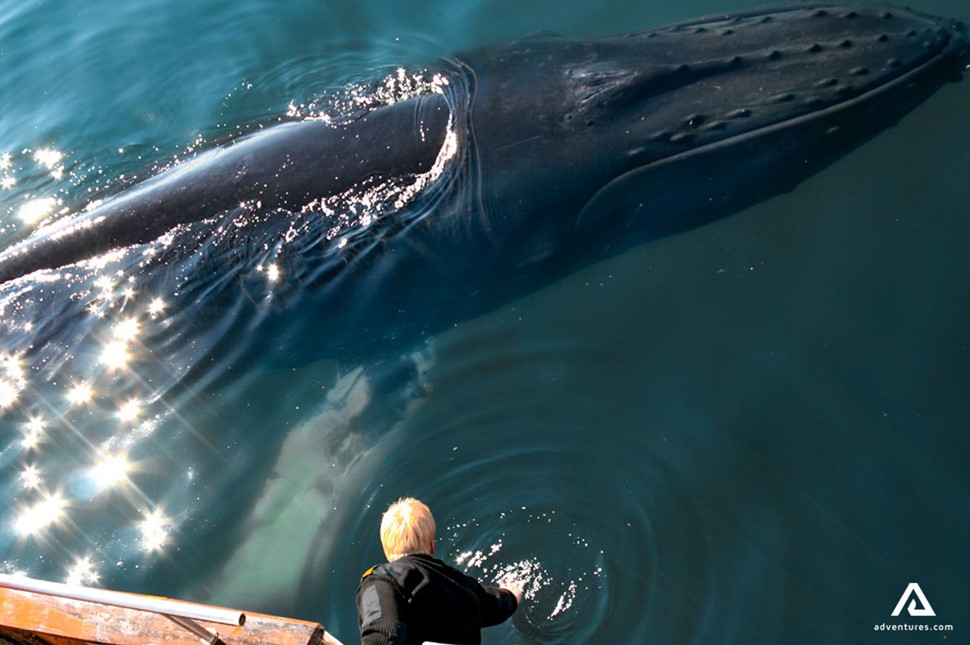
{"points": [[659, 131]]}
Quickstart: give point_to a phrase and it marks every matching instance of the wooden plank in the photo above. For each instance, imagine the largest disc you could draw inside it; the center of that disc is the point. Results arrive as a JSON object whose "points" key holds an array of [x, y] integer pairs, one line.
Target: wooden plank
{"points": [[52, 617], [18, 637]]}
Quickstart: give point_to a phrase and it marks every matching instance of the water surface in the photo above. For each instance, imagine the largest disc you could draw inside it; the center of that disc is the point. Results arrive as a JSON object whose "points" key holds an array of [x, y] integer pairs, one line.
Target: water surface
{"points": [[752, 432]]}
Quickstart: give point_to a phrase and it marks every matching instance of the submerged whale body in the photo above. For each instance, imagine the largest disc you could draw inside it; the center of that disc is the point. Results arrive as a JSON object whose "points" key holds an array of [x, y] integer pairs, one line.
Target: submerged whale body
{"points": [[525, 162]]}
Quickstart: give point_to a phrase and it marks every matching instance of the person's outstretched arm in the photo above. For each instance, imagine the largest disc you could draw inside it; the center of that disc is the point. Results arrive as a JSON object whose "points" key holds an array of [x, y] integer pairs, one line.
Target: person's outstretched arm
{"points": [[497, 604]]}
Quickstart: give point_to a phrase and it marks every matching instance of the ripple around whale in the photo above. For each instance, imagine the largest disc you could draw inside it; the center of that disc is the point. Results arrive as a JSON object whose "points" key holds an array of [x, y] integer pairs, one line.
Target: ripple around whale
{"points": [[764, 413]]}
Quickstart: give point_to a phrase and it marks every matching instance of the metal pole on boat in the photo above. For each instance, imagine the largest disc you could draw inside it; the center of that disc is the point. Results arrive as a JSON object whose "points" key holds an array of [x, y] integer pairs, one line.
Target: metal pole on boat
{"points": [[155, 605], [207, 636]]}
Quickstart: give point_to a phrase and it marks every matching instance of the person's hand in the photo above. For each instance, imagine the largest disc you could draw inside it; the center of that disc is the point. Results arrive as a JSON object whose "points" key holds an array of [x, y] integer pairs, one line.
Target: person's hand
{"points": [[515, 585]]}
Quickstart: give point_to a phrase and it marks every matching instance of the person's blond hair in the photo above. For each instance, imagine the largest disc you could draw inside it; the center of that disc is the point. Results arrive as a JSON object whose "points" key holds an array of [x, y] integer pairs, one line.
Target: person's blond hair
{"points": [[407, 528]]}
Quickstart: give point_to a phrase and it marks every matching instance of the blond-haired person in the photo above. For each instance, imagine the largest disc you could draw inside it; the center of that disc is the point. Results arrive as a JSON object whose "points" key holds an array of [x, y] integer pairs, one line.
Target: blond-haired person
{"points": [[416, 598]]}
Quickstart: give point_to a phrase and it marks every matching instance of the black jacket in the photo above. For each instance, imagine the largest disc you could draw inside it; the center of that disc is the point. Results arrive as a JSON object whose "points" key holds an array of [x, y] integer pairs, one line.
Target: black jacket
{"points": [[420, 598]]}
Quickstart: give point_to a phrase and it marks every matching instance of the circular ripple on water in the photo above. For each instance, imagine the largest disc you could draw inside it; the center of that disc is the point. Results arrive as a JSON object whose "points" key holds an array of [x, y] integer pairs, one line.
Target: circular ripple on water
{"points": [[635, 512], [563, 515]]}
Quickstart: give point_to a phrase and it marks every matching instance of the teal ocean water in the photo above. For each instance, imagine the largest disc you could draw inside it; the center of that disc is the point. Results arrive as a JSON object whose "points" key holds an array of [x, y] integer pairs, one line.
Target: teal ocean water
{"points": [[751, 432]]}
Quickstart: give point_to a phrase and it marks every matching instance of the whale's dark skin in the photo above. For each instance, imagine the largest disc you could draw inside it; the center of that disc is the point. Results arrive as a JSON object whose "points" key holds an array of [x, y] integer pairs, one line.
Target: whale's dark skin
{"points": [[569, 151]]}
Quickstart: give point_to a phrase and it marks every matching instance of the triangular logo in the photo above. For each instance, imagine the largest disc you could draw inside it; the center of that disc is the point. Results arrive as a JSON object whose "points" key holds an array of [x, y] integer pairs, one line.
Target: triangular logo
{"points": [[923, 610]]}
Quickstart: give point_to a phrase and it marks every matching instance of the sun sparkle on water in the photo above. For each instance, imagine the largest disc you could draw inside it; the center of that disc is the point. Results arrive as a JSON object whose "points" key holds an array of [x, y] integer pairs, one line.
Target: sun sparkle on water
{"points": [[35, 210], [80, 394], [31, 477], [154, 531], [111, 470], [41, 515], [129, 411], [13, 367], [115, 355], [156, 307], [272, 273], [33, 433], [126, 330], [9, 393], [13, 380], [82, 572], [48, 157]]}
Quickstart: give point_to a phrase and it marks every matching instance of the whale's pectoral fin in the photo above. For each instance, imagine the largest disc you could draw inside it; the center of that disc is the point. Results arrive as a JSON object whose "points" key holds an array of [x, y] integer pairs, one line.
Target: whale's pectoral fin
{"points": [[314, 477]]}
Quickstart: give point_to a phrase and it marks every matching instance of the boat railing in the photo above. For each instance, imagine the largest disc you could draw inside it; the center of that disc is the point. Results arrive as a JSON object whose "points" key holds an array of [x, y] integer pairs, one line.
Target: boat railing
{"points": [[40, 607]]}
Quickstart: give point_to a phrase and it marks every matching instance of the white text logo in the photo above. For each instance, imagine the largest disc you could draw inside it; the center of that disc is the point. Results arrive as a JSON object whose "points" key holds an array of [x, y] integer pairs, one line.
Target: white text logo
{"points": [[913, 590]]}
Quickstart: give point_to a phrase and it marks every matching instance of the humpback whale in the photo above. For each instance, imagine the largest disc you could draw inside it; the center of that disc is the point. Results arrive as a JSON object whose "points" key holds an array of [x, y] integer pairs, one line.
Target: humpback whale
{"points": [[537, 158]]}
